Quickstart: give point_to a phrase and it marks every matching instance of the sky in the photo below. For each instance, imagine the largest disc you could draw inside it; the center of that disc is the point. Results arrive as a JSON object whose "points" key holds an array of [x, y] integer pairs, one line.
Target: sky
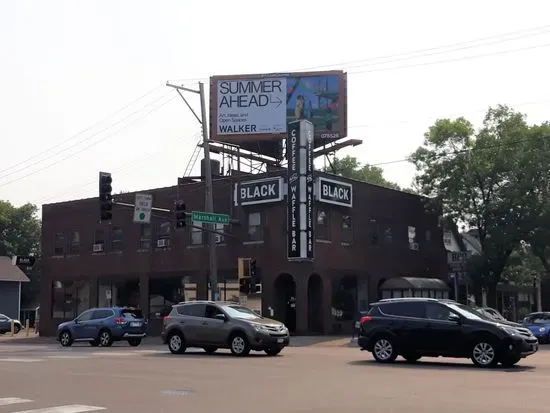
{"points": [[83, 84]]}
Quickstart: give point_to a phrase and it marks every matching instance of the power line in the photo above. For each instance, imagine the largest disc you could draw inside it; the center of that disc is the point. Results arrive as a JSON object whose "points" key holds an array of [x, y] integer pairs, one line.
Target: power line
{"points": [[427, 51], [89, 146], [82, 131], [83, 140]]}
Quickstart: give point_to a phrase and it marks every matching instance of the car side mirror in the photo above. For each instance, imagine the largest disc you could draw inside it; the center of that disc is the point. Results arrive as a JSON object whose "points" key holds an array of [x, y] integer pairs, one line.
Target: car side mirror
{"points": [[455, 318], [221, 317]]}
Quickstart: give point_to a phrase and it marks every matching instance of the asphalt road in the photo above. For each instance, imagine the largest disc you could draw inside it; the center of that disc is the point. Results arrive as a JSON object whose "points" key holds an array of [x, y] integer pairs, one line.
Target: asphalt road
{"points": [[302, 379]]}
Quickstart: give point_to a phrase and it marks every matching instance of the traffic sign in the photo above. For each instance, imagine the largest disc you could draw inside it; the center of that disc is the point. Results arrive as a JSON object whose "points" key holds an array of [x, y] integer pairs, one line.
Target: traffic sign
{"points": [[142, 208], [209, 218]]}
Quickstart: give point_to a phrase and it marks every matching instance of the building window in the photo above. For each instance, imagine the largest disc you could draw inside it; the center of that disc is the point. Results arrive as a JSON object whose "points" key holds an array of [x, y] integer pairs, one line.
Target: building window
{"points": [[322, 227], [196, 234], [99, 236], [59, 244], [255, 226], [165, 230], [448, 238], [121, 292], [74, 247], [145, 237], [413, 245], [388, 236], [347, 232], [63, 305], [116, 239]]}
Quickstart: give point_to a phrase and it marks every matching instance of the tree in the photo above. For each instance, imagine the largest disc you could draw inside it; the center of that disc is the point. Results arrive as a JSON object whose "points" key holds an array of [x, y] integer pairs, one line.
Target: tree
{"points": [[20, 235], [476, 178], [350, 167]]}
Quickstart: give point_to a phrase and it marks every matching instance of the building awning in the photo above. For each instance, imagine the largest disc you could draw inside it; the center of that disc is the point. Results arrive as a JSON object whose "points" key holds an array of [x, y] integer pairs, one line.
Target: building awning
{"points": [[10, 272], [414, 283]]}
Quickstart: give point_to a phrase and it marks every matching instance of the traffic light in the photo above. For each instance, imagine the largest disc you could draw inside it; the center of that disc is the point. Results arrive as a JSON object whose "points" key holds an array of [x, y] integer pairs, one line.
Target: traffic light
{"points": [[105, 196], [252, 268], [179, 211]]}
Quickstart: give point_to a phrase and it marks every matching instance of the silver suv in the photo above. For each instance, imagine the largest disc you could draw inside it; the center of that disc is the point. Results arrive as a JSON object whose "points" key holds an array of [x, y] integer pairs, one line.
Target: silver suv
{"points": [[213, 325]]}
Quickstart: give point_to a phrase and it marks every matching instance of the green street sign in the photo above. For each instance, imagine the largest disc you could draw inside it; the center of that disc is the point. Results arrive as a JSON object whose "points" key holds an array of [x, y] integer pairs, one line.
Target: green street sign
{"points": [[209, 218], [142, 216]]}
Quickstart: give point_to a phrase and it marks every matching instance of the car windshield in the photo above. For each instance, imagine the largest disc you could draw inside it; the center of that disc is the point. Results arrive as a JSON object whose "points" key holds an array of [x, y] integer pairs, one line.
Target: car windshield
{"points": [[240, 312], [543, 318], [468, 312]]}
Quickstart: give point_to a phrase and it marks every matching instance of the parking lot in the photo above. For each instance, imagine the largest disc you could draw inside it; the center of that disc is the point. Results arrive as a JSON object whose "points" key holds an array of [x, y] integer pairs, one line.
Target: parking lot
{"points": [[311, 378]]}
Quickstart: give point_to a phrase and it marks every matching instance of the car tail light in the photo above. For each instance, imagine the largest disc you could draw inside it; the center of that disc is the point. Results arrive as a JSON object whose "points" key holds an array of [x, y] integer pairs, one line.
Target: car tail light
{"points": [[120, 320], [365, 319], [165, 318]]}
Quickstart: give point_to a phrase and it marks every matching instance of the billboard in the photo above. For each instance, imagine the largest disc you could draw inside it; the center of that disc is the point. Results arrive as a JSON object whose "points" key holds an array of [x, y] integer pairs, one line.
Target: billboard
{"points": [[253, 110]]}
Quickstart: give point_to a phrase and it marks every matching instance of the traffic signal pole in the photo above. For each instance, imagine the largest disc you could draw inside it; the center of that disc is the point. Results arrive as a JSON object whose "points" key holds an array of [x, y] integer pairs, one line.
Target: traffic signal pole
{"points": [[209, 197]]}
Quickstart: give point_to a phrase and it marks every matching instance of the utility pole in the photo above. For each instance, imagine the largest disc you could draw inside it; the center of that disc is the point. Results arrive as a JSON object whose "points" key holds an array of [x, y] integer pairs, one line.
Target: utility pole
{"points": [[209, 198]]}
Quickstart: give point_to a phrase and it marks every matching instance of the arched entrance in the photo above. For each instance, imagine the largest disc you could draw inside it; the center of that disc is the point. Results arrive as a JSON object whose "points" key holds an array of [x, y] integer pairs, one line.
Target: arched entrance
{"points": [[284, 290], [315, 304]]}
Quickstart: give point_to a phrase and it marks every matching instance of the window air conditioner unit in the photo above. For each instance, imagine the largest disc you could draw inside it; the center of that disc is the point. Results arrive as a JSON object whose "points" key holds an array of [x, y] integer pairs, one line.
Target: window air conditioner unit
{"points": [[97, 248], [163, 243], [258, 289]]}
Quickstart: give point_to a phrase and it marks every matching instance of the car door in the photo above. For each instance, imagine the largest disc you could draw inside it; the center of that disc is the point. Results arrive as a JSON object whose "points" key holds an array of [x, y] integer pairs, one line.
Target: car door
{"points": [[190, 320], [213, 329], [80, 325], [445, 335], [99, 319], [408, 323], [5, 324]]}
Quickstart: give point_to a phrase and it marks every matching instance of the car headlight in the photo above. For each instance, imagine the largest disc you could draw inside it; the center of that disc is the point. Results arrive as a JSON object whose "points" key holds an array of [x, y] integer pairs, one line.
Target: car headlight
{"points": [[260, 328], [542, 329]]}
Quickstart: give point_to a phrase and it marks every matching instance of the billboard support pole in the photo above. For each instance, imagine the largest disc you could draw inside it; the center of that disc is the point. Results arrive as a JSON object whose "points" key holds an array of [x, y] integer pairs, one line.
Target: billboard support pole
{"points": [[208, 191]]}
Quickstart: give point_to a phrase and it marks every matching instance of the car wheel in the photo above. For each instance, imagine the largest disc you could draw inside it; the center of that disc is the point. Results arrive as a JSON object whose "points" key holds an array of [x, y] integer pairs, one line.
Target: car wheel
{"points": [[273, 351], [105, 338], [411, 358], [134, 342], [94, 343], [210, 349], [509, 361], [176, 343], [484, 354], [65, 339], [239, 345], [384, 350], [16, 329]]}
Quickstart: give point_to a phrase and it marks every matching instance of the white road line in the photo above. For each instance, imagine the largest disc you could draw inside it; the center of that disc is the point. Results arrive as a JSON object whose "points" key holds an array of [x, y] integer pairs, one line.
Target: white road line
{"points": [[20, 360], [67, 356], [110, 354], [5, 401], [69, 408]]}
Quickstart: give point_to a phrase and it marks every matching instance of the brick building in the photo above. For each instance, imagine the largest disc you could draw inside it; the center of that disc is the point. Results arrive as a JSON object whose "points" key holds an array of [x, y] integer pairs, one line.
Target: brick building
{"points": [[383, 234]]}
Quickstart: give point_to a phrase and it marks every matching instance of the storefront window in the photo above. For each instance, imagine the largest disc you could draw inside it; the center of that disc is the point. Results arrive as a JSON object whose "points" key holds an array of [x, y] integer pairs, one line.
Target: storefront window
{"points": [[163, 293], [63, 306], [344, 298], [118, 293], [82, 296]]}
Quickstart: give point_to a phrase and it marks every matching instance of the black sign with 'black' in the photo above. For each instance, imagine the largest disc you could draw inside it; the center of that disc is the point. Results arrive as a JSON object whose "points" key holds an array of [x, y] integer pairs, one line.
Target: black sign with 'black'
{"points": [[259, 191], [335, 192], [24, 261]]}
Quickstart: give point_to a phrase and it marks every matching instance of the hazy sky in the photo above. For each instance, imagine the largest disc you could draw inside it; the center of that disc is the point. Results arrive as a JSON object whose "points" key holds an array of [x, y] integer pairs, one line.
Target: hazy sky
{"points": [[71, 71]]}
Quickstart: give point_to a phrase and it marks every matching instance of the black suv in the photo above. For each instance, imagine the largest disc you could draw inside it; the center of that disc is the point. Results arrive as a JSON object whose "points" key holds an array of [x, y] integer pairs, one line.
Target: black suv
{"points": [[416, 327]]}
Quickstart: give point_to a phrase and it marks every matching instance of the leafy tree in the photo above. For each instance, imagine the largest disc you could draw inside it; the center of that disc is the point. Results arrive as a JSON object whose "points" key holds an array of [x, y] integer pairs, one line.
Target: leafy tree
{"points": [[350, 167], [20, 235], [522, 266], [476, 178]]}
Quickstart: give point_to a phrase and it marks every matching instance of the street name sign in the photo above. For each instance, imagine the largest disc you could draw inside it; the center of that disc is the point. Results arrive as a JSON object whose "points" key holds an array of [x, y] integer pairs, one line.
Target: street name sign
{"points": [[142, 208], [209, 218]]}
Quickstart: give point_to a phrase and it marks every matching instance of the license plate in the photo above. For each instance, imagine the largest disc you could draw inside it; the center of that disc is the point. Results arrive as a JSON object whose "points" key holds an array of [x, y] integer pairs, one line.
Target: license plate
{"points": [[135, 324], [280, 340]]}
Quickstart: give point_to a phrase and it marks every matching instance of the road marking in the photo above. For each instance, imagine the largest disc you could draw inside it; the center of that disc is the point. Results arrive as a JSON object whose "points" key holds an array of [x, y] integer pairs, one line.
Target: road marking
{"points": [[69, 408], [5, 401], [108, 353], [67, 356], [20, 360]]}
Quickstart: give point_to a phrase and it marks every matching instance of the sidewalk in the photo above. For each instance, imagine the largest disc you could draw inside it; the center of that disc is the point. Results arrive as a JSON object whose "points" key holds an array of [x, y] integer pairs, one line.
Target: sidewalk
{"points": [[295, 341]]}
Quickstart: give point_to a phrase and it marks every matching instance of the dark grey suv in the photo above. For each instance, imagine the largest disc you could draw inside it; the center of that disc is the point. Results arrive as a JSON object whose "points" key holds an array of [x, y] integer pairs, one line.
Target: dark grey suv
{"points": [[213, 325]]}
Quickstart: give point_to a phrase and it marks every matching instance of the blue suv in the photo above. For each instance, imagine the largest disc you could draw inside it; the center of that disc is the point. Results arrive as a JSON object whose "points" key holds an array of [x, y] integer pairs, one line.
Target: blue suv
{"points": [[103, 326]]}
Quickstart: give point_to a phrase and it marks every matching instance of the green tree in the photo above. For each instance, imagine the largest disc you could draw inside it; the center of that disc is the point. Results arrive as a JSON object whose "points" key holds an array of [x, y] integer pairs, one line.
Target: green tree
{"points": [[20, 235], [522, 266], [473, 177], [350, 167]]}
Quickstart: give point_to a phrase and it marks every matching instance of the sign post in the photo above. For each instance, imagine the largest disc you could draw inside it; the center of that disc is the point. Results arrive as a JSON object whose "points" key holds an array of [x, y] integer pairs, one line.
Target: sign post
{"points": [[142, 208]]}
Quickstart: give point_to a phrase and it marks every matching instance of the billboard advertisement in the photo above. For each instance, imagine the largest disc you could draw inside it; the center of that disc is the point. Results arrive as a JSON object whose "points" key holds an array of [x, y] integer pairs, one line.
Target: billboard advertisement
{"points": [[253, 110]]}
